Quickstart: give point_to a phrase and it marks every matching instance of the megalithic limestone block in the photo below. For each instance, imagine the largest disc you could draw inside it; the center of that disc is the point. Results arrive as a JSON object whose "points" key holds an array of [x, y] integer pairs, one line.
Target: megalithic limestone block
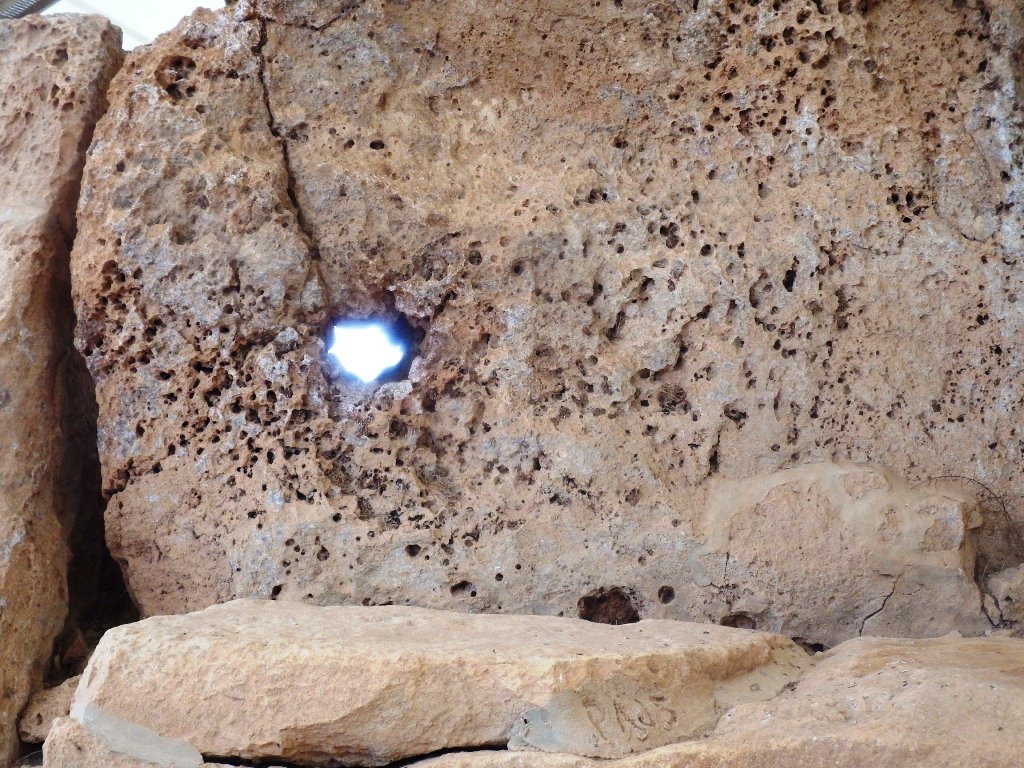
{"points": [[267, 682], [53, 78], [349, 685], [662, 258], [941, 703]]}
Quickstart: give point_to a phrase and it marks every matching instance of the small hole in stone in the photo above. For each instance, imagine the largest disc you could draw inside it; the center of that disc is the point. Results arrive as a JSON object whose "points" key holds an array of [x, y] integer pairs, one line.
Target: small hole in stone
{"points": [[666, 594], [374, 351], [613, 605], [810, 647], [463, 589], [412, 550], [739, 621]]}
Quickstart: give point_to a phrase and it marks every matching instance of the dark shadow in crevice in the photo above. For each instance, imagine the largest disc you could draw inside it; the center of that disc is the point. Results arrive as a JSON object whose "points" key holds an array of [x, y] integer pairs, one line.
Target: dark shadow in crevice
{"points": [[320, 763], [609, 605], [97, 596]]}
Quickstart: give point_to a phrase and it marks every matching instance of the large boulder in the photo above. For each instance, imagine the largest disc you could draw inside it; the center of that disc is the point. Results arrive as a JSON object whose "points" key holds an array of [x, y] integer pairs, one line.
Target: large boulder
{"points": [[370, 686], [672, 272], [53, 78], [267, 682], [943, 703]]}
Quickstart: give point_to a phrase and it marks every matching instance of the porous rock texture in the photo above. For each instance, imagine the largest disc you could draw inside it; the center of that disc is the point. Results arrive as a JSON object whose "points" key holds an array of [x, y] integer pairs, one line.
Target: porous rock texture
{"points": [[53, 77], [266, 680], [680, 274], [44, 708], [1007, 590], [942, 703]]}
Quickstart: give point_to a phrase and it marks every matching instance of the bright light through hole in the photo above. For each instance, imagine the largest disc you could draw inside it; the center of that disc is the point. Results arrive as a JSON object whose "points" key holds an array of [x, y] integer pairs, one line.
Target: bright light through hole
{"points": [[365, 350]]}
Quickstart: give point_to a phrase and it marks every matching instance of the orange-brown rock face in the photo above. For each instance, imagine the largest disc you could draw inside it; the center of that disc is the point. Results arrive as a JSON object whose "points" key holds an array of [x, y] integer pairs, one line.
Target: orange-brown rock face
{"points": [[370, 686], [264, 682], [53, 76], [698, 286]]}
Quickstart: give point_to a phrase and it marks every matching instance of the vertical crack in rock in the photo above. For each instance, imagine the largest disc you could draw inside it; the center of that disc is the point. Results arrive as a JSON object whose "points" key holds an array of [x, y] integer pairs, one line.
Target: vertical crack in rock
{"points": [[991, 606], [885, 601], [272, 123], [430, 162]]}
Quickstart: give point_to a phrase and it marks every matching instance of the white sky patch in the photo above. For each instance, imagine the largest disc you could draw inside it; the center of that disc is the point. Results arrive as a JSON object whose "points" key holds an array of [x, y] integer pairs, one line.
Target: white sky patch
{"points": [[141, 22], [365, 349]]}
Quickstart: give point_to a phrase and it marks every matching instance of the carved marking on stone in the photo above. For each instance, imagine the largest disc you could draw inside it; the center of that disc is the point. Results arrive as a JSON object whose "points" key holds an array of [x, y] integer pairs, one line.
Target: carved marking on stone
{"points": [[615, 717]]}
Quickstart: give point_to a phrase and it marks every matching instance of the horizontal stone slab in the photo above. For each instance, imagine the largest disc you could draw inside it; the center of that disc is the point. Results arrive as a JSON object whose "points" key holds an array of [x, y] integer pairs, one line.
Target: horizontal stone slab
{"points": [[74, 745], [943, 703], [305, 685]]}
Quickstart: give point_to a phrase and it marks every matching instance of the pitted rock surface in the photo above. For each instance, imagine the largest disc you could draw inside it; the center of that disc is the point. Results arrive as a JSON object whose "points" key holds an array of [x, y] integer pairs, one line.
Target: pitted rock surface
{"points": [[44, 708], [654, 251], [53, 77]]}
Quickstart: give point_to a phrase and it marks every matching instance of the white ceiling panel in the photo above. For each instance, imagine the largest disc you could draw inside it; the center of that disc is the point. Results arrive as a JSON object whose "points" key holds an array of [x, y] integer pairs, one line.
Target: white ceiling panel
{"points": [[141, 22]]}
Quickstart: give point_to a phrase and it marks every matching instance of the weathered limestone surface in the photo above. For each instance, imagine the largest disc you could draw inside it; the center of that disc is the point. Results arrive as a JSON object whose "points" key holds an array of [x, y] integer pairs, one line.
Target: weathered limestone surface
{"points": [[1007, 588], [53, 77], [942, 703], [680, 271], [44, 708], [74, 745], [267, 681], [358, 686]]}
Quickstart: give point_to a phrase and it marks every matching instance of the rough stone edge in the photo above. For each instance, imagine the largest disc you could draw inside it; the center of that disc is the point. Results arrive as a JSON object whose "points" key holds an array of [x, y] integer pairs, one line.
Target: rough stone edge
{"points": [[61, 239]]}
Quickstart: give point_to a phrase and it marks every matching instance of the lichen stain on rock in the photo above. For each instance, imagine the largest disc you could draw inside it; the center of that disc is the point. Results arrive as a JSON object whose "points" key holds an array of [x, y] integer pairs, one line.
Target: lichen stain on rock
{"points": [[648, 247]]}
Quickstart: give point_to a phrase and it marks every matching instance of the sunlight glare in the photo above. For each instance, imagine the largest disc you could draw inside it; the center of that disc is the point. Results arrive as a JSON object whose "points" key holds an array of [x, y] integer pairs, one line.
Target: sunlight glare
{"points": [[365, 350]]}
